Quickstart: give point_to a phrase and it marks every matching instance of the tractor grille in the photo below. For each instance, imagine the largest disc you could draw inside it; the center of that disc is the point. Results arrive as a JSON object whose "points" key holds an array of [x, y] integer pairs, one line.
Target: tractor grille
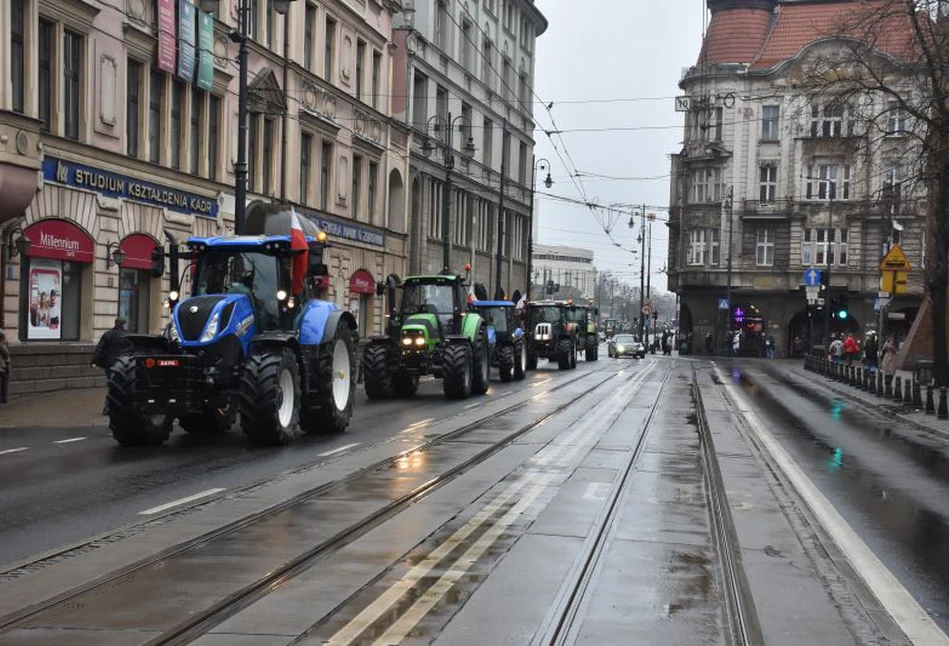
{"points": [[193, 314]]}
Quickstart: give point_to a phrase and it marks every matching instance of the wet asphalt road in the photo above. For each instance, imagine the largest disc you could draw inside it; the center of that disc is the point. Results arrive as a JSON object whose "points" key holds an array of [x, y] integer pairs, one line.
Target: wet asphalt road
{"points": [[888, 480], [56, 494]]}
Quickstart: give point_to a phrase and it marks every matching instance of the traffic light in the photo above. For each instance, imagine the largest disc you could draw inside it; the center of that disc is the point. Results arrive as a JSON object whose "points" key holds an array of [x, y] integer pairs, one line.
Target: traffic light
{"points": [[655, 316], [824, 281], [841, 308]]}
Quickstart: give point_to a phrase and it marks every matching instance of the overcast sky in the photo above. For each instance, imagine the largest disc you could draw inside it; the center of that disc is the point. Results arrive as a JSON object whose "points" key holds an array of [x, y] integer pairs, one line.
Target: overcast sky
{"points": [[600, 50]]}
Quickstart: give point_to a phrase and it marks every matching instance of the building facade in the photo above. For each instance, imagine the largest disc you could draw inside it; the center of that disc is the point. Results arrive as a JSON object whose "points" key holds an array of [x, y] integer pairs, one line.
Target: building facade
{"points": [[782, 181], [472, 63], [121, 120], [564, 272]]}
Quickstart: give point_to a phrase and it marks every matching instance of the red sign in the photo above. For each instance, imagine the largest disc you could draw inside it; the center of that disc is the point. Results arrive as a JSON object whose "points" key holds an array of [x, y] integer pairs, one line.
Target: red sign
{"points": [[362, 282], [167, 42], [138, 251], [61, 240]]}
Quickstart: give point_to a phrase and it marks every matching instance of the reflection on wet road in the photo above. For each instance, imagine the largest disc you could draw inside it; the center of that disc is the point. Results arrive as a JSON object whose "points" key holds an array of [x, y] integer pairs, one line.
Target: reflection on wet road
{"points": [[889, 481]]}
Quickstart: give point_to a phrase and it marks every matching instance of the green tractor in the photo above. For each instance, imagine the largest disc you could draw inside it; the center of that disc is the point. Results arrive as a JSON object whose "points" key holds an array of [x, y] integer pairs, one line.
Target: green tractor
{"points": [[432, 332], [587, 339]]}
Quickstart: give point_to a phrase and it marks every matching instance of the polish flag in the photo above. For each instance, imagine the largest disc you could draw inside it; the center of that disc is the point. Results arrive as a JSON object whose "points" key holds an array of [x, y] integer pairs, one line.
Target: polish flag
{"points": [[300, 260]]}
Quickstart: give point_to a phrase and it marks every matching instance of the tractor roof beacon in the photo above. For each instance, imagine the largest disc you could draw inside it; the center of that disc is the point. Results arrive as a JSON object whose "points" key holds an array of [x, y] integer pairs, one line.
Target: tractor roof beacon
{"points": [[244, 341]]}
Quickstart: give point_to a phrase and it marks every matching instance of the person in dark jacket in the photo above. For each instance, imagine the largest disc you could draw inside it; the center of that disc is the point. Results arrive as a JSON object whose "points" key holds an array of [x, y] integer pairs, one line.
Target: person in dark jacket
{"points": [[108, 350], [4, 367]]}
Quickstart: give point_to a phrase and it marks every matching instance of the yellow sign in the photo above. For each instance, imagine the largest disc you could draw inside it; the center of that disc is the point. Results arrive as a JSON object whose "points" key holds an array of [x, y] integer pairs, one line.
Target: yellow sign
{"points": [[893, 282], [895, 260]]}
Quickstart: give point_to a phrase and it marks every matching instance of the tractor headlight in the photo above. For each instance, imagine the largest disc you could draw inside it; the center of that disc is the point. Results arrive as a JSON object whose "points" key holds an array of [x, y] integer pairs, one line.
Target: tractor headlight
{"points": [[420, 340], [211, 330], [281, 295], [406, 341]]}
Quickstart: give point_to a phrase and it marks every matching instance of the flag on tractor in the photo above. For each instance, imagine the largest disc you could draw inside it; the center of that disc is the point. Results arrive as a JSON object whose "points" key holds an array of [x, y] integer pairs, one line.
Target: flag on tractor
{"points": [[301, 259]]}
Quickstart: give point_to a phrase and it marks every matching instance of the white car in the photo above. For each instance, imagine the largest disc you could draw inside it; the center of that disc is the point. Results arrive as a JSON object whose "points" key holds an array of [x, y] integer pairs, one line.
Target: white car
{"points": [[626, 345]]}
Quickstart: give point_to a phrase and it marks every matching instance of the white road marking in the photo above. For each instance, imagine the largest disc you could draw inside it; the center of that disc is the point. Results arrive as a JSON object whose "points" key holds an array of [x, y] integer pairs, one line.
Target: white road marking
{"points": [[72, 439], [423, 422], [17, 450], [905, 610], [339, 450], [180, 501], [474, 405]]}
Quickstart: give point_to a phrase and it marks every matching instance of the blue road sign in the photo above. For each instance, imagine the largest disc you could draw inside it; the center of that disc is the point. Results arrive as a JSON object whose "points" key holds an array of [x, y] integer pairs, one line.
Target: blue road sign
{"points": [[812, 277], [723, 303]]}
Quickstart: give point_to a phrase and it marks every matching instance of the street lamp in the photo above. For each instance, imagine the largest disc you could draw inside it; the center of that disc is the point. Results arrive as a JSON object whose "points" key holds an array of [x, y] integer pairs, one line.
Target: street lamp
{"points": [[239, 36], [447, 126], [542, 164]]}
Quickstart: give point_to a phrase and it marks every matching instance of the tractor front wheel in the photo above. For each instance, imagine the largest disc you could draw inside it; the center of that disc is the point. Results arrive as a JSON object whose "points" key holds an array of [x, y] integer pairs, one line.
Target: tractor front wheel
{"points": [[270, 398], [375, 372], [335, 386], [129, 428], [591, 353], [506, 361], [481, 364], [456, 371], [520, 360], [531, 361], [565, 354]]}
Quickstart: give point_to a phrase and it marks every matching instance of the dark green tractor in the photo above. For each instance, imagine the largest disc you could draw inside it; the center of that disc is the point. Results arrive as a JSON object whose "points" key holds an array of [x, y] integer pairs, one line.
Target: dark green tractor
{"points": [[506, 338], [587, 341], [551, 334], [432, 332]]}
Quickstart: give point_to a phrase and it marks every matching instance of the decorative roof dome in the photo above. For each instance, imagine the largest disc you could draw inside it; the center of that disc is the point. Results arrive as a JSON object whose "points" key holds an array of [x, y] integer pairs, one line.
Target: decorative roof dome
{"points": [[737, 32]]}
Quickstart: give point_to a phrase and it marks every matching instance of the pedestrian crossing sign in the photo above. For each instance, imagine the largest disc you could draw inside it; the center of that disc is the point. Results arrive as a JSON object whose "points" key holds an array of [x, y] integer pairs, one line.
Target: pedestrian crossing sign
{"points": [[723, 303]]}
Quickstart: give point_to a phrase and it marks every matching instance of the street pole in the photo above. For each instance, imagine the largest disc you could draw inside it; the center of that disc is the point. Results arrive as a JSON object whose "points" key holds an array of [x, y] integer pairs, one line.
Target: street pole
{"points": [[728, 292], [240, 170], [642, 275], [648, 282], [538, 163], [446, 199], [499, 264], [831, 190]]}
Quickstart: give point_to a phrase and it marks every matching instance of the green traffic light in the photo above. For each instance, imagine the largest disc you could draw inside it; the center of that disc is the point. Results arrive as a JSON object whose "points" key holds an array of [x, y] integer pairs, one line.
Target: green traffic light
{"points": [[842, 314]]}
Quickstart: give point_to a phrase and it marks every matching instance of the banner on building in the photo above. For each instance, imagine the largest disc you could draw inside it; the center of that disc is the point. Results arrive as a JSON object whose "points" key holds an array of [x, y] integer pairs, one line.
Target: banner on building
{"points": [[166, 36], [46, 291], [186, 40], [205, 51]]}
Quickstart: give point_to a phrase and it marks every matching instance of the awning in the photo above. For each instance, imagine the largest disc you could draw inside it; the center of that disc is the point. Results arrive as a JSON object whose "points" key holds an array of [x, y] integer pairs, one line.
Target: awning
{"points": [[362, 282], [60, 240], [138, 249]]}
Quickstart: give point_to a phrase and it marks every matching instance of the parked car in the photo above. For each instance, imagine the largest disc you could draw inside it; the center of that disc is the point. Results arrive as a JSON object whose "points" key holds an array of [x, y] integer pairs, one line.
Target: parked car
{"points": [[626, 345]]}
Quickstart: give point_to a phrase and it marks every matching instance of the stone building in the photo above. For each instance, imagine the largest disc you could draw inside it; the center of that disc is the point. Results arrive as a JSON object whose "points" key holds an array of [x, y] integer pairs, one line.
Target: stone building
{"points": [[786, 181], [472, 62], [118, 122]]}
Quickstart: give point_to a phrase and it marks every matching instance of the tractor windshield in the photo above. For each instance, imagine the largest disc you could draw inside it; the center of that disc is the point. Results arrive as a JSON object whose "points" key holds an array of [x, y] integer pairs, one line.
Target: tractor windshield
{"points": [[546, 315], [496, 316], [576, 315], [258, 275], [433, 298]]}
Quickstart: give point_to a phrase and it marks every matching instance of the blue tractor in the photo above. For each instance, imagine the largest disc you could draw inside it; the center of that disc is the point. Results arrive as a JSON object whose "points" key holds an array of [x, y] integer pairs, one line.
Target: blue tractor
{"points": [[505, 338], [244, 344]]}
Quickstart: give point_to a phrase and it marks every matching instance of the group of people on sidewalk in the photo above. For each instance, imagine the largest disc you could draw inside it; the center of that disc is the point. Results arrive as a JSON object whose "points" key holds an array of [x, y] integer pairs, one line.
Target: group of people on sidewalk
{"points": [[846, 349]]}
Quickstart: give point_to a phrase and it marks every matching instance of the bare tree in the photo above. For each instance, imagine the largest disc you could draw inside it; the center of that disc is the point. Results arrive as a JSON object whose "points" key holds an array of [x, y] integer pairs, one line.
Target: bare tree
{"points": [[887, 61]]}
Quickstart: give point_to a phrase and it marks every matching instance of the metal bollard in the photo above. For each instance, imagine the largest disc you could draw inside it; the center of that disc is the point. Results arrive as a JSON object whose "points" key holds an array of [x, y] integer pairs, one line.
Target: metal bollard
{"points": [[852, 375], [888, 387], [869, 383], [898, 389], [908, 393], [859, 382], [943, 412], [917, 395], [881, 384], [930, 403]]}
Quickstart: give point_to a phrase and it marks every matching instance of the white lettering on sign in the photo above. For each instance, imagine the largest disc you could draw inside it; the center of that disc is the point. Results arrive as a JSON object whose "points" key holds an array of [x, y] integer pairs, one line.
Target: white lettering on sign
{"points": [[51, 241]]}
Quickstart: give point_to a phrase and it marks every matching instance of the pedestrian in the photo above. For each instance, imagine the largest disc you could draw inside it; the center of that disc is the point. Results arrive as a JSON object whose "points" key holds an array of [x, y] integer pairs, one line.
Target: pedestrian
{"points": [[837, 349], [769, 346], [5, 366], [870, 353], [108, 349], [851, 349], [736, 342], [798, 346], [708, 343], [888, 357]]}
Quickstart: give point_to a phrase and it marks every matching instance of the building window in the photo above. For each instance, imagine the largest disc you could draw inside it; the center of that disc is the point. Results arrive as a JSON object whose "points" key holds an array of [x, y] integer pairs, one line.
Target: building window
{"points": [[434, 209], [52, 293], [177, 110], [309, 29], [72, 83], [768, 186], [306, 150], [769, 122], [896, 119], [357, 185], [17, 60], [487, 143], [484, 225], [460, 218], [420, 100], [135, 299], [764, 248], [697, 247], [522, 164], [156, 90], [253, 129], [714, 246], [252, 19], [45, 74], [706, 185], [267, 156], [441, 25], [133, 106], [372, 185], [487, 63], [326, 167], [489, 5], [892, 176], [506, 155], [441, 103], [329, 50], [830, 120], [268, 17], [376, 72], [831, 182], [466, 44], [821, 246], [527, 33], [466, 124], [214, 115], [194, 138], [707, 125], [360, 68], [525, 92]]}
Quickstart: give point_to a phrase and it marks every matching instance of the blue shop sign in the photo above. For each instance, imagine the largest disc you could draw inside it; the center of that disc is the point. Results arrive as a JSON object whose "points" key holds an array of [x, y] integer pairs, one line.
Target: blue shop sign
{"points": [[123, 186], [349, 231]]}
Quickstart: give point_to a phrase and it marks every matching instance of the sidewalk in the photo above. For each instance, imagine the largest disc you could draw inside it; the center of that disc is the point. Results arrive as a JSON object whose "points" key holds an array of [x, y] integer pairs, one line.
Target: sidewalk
{"points": [[65, 408]]}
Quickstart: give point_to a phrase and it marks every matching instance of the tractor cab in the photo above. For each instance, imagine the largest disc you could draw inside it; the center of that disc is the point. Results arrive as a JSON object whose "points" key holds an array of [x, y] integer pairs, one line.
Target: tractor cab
{"points": [[499, 315], [439, 299]]}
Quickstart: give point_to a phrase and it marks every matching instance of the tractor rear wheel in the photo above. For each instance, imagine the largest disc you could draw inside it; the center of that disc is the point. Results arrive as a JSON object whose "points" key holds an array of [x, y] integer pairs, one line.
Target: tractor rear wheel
{"points": [[207, 423], [520, 360], [531, 361], [456, 371], [481, 364], [130, 428], [506, 362], [375, 372], [573, 354], [335, 386], [270, 398], [591, 349], [405, 385], [564, 352]]}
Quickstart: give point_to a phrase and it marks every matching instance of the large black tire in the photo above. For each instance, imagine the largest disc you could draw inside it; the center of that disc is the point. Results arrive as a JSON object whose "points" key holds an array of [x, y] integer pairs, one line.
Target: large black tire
{"points": [[456, 371], [129, 428], [531, 361], [564, 353], [375, 371], [506, 362], [405, 385], [480, 364], [573, 355], [590, 354], [262, 398], [207, 423], [335, 386], [520, 360]]}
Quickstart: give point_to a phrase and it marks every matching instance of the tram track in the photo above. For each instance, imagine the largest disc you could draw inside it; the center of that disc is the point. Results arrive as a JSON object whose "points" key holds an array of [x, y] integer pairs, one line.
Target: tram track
{"points": [[201, 620]]}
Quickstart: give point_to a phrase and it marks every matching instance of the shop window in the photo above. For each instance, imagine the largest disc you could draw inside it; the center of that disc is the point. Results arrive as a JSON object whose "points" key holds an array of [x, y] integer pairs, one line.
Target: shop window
{"points": [[135, 299], [50, 301]]}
